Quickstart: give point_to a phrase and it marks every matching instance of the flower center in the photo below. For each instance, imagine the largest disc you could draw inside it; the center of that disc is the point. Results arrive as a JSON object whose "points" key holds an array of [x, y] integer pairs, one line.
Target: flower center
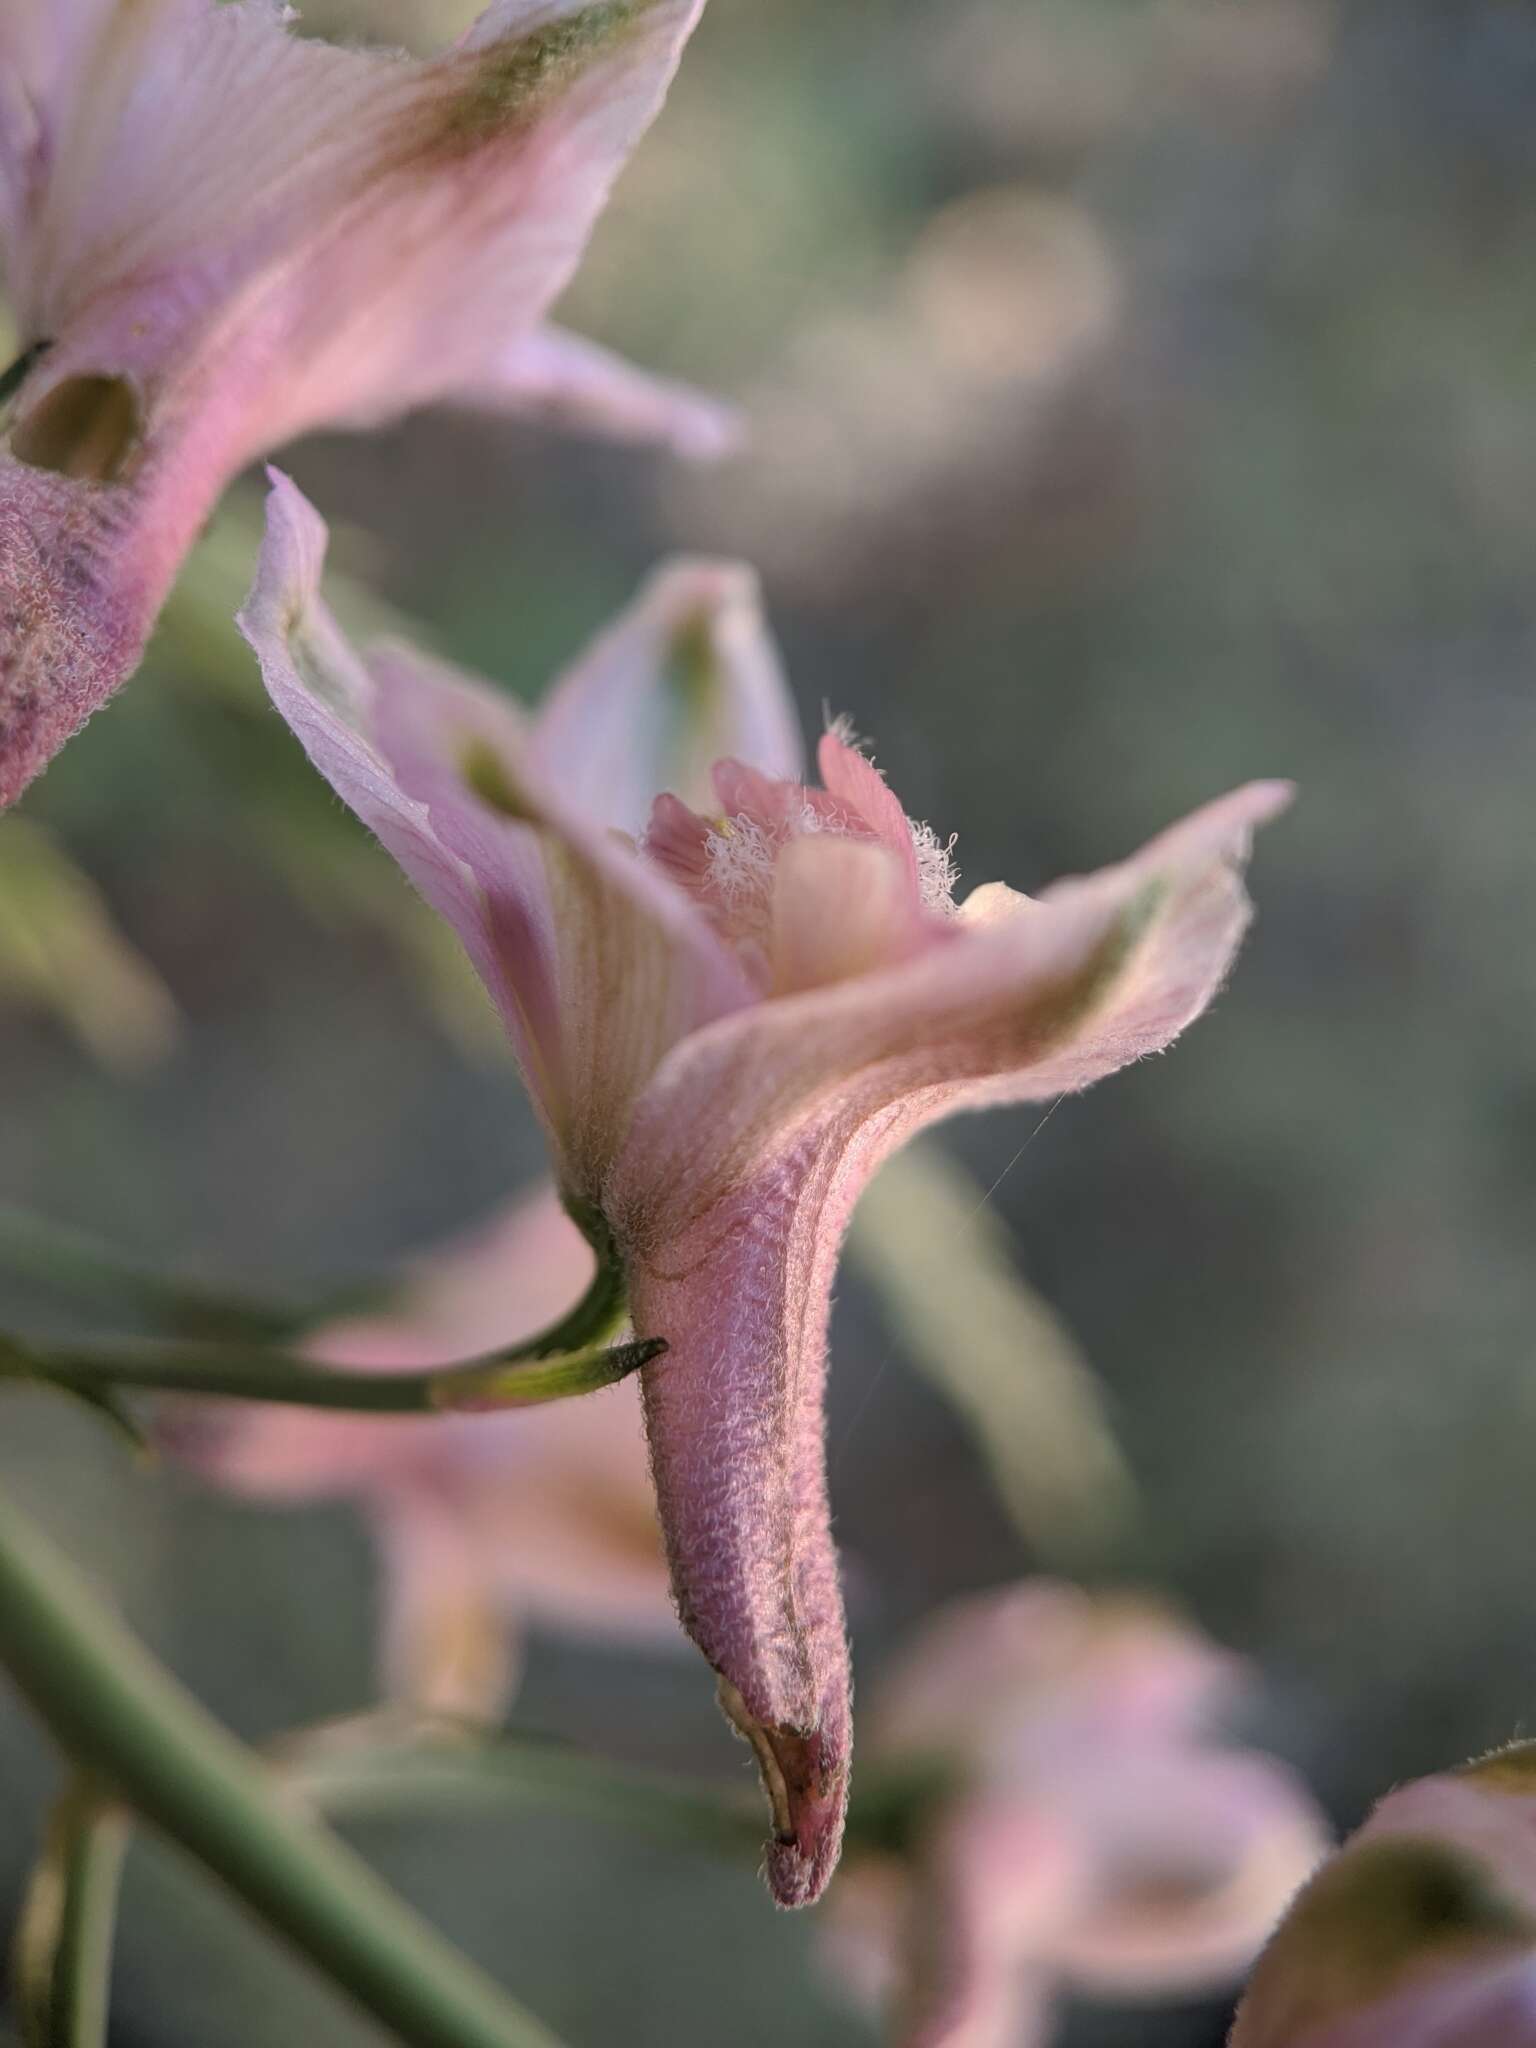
{"points": [[730, 863]]}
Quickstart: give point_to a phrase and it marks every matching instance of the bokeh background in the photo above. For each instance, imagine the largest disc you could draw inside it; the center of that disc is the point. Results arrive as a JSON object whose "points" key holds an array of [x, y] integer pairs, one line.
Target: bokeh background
{"points": [[1144, 398]]}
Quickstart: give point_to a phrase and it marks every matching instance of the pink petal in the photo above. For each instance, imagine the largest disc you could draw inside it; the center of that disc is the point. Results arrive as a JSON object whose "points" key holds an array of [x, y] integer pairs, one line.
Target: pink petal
{"points": [[842, 907], [572, 382], [1038, 998], [734, 1412], [503, 1281], [731, 1195], [566, 1514], [852, 776], [227, 237], [487, 880], [634, 965], [688, 674], [389, 226], [596, 962]]}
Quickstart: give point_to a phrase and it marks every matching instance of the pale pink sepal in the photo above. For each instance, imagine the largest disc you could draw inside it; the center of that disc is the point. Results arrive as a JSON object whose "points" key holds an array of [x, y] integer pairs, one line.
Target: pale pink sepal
{"points": [[568, 381], [687, 676], [227, 236], [595, 964], [496, 899]]}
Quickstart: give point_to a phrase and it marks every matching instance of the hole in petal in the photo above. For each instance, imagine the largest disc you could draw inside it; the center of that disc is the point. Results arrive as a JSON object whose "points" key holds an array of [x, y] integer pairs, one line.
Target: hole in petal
{"points": [[86, 427]]}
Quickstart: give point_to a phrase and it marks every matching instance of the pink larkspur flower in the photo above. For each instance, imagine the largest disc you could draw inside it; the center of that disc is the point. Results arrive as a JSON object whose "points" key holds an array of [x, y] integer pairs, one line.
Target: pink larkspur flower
{"points": [[482, 1521], [216, 236], [1421, 1931], [1083, 1830], [726, 1023]]}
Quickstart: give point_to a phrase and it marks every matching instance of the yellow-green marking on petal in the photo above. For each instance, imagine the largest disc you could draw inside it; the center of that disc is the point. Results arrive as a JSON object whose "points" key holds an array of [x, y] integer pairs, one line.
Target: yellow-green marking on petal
{"points": [[512, 81]]}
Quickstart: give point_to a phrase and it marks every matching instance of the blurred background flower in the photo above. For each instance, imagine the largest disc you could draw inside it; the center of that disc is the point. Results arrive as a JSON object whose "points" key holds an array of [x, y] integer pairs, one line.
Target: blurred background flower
{"points": [[1083, 1827], [1275, 515], [480, 1520]]}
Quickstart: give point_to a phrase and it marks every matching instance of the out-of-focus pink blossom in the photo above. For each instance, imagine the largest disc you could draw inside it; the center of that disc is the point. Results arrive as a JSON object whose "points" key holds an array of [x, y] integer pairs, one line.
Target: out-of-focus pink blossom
{"points": [[1081, 1830], [1421, 1932], [482, 1521], [216, 236], [726, 1024]]}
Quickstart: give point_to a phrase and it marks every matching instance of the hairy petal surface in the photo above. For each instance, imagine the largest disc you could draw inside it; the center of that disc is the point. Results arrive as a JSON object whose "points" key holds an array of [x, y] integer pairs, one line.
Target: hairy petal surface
{"points": [[748, 1151], [225, 236], [1035, 998], [735, 1413]]}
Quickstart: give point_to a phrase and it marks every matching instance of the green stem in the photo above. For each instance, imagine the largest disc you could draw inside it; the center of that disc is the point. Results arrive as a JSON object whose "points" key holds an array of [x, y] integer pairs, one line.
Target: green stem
{"points": [[570, 1357], [63, 1954], [121, 1717], [60, 1261], [249, 1372]]}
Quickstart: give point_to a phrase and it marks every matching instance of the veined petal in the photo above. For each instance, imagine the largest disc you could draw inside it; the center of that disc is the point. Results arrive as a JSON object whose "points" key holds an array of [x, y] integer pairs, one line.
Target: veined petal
{"points": [[487, 881], [218, 236], [596, 962], [686, 676], [490, 192], [47, 60], [634, 965], [390, 226], [553, 375]]}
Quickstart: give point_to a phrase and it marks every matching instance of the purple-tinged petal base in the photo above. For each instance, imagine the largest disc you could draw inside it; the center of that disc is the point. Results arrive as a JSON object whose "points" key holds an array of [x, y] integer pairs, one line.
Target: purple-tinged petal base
{"points": [[735, 1412]]}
